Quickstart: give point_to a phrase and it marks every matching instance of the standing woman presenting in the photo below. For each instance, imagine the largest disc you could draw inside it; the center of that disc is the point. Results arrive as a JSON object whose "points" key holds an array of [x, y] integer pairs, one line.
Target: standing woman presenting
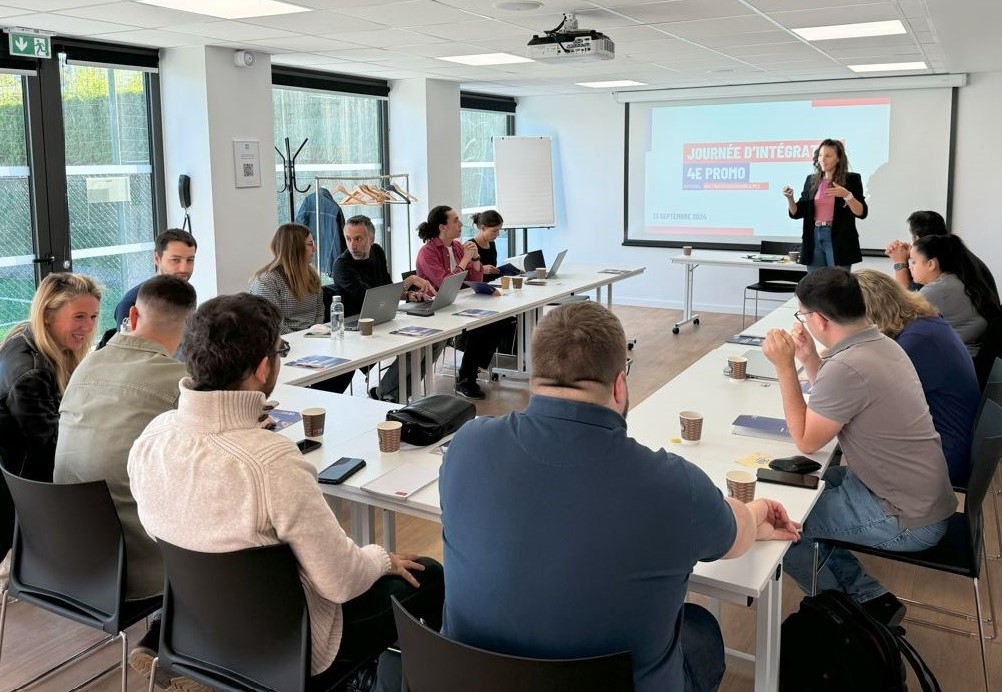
{"points": [[830, 203]]}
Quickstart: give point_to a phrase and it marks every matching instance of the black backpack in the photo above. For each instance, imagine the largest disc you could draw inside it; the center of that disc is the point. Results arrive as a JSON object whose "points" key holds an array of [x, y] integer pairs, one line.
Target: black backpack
{"points": [[832, 644]]}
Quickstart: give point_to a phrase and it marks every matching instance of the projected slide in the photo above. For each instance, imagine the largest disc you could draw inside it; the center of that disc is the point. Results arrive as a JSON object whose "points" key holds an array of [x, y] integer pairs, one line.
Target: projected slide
{"points": [[719, 170]]}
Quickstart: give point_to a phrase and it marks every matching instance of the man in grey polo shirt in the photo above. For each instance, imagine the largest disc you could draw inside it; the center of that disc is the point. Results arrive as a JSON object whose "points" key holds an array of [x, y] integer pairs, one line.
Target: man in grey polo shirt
{"points": [[894, 490]]}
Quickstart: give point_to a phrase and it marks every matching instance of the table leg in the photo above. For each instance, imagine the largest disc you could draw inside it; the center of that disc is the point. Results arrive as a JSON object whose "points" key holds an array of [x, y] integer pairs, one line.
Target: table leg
{"points": [[402, 379], [389, 530], [363, 523], [429, 369], [608, 296], [416, 371], [767, 628], [687, 314]]}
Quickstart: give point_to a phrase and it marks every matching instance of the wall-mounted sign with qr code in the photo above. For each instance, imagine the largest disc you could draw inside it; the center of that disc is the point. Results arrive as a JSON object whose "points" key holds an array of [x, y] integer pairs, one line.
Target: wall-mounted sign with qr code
{"points": [[247, 162]]}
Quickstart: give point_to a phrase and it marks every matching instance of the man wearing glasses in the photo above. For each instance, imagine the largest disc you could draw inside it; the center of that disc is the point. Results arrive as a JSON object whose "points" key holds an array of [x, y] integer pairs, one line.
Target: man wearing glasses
{"points": [[894, 490]]}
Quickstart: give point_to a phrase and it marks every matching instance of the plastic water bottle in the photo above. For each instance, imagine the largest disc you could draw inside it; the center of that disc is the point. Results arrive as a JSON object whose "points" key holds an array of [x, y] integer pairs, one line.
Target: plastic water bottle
{"points": [[125, 327], [337, 318]]}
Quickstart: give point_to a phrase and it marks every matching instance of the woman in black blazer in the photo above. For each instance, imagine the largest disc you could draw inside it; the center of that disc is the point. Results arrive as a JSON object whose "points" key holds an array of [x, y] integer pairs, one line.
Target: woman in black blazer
{"points": [[830, 203]]}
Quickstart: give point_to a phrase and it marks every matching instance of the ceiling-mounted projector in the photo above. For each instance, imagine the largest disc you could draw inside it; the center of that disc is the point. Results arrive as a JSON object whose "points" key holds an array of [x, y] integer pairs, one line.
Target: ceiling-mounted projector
{"points": [[566, 42]]}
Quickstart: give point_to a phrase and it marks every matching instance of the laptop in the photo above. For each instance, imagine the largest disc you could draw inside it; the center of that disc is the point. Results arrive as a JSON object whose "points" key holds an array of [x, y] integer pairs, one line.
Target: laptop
{"points": [[759, 367], [532, 260], [445, 297], [380, 303], [552, 271]]}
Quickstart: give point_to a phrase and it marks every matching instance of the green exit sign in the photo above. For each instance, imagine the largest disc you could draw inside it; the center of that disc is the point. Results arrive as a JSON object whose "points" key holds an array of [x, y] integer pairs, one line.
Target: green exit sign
{"points": [[26, 45]]}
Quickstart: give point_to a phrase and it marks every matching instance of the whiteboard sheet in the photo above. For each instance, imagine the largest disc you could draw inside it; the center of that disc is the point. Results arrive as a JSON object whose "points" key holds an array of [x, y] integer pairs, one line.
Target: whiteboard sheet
{"points": [[523, 179]]}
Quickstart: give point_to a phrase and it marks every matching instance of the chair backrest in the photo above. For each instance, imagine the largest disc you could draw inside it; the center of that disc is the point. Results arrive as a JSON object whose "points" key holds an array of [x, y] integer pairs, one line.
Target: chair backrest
{"points": [[992, 388], [407, 275], [986, 449], [69, 550], [328, 292], [235, 620], [433, 663], [774, 247], [990, 350]]}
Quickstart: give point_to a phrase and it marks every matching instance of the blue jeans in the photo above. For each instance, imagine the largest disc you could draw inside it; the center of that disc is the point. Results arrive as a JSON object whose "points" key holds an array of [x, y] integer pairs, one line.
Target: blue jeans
{"points": [[848, 511], [702, 649], [824, 253]]}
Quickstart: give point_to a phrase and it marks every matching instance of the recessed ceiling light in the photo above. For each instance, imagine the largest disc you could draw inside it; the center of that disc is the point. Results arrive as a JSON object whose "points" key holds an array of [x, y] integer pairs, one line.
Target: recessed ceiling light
{"points": [[889, 67], [865, 29], [518, 6], [613, 83], [229, 9], [487, 59]]}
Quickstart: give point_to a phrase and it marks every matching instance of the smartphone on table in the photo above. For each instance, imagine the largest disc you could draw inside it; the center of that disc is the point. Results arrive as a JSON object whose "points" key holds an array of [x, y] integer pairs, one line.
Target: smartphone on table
{"points": [[307, 445], [798, 480], [340, 470]]}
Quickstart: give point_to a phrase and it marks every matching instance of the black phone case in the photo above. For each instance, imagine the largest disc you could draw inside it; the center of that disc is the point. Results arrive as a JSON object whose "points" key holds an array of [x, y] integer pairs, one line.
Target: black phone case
{"points": [[345, 467], [785, 478], [306, 446], [794, 464]]}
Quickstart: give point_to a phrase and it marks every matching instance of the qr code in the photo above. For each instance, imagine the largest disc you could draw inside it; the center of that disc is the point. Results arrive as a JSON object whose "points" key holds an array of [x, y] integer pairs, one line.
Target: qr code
{"points": [[248, 170]]}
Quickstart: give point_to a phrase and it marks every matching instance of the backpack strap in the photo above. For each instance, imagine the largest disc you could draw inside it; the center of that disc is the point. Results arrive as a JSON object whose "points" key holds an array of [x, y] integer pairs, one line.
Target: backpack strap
{"points": [[924, 675]]}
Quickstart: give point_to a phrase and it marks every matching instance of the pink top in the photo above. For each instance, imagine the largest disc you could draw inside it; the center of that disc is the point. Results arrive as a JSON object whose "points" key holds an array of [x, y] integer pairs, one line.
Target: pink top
{"points": [[824, 206], [433, 262]]}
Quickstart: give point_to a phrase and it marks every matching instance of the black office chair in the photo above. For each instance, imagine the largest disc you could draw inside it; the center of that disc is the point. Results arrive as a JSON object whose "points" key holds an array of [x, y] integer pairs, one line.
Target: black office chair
{"points": [[773, 281], [960, 551], [237, 620], [69, 559], [992, 391], [406, 275], [328, 292], [990, 350], [432, 663]]}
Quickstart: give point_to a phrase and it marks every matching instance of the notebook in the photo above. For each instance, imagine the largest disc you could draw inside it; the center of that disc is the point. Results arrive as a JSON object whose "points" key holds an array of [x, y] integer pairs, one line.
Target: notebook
{"points": [[445, 297], [402, 481], [761, 426], [380, 304]]}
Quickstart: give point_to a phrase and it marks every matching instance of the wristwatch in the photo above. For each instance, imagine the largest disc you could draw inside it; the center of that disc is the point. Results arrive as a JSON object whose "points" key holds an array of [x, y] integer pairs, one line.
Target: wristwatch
{"points": [[898, 266]]}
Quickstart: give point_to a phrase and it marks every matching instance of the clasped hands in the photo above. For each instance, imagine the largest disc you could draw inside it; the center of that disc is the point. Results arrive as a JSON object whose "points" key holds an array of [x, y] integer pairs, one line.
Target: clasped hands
{"points": [[898, 251], [782, 347]]}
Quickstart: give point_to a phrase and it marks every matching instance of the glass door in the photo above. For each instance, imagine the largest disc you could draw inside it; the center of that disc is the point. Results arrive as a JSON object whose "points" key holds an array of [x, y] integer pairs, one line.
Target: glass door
{"points": [[17, 238]]}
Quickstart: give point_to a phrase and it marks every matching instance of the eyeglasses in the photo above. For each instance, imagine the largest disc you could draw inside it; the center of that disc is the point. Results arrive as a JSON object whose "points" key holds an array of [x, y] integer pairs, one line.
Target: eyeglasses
{"points": [[629, 364], [801, 315], [283, 350]]}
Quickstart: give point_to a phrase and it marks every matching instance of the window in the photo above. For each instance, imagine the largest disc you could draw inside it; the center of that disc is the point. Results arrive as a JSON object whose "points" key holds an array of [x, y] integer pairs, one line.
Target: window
{"points": [[477, 128], [346, 133], [78, 185]]}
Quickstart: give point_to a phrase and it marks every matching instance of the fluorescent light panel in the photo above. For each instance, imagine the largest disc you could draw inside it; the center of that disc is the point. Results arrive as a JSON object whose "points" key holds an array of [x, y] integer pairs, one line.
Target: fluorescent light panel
{"points": [[613, 83], [889, 67], [229, 9], [487, 59], [863, 30]]}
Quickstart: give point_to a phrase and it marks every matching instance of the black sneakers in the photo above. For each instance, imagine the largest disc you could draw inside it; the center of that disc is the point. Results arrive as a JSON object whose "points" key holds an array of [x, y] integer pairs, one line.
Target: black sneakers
{"points": [[470, 389]]}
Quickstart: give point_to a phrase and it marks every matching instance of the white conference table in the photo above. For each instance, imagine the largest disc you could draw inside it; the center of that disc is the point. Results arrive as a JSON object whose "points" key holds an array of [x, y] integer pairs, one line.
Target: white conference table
{"points": [[524, 304], [755, 577], [717, 258]]}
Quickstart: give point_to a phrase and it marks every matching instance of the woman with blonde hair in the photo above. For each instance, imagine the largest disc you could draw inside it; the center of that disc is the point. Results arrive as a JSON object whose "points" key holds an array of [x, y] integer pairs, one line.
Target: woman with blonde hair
{"points": [[941, 361], [290, 281], [37, 358]]}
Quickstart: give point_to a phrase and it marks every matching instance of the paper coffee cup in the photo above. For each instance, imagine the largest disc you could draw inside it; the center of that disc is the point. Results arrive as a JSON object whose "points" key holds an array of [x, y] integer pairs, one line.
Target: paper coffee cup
{"points": [[741, 485], [687, 250], [692, 425], [313, 421], [389, 436], [739, 367], [517, 281], [506, 282], [794, 255], [365, 326], [541, 272]]}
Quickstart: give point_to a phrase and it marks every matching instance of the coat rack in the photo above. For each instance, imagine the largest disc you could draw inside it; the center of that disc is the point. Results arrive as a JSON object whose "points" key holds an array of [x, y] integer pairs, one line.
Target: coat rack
{"points": [[289, 175]]}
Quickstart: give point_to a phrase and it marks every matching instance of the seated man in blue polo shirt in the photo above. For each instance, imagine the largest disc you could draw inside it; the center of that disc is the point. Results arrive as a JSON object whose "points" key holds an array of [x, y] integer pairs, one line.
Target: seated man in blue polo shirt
{"points": [[571, 539]]}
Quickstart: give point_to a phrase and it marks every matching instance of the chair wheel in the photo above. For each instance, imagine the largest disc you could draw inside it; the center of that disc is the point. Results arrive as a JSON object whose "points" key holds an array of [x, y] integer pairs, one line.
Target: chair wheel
{"points": [[495, 377], [630, 345], [696, 321], [674, 330]]}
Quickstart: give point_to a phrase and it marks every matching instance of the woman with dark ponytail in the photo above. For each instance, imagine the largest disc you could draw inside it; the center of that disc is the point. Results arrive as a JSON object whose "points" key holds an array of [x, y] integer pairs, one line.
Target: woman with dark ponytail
{"points": [[442, 256], [955, 284], [488, 225]]}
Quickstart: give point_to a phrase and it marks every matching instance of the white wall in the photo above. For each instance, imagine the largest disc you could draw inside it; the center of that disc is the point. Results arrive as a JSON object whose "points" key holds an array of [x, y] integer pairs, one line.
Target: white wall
{"points": [[588, 168], [207, 102]]}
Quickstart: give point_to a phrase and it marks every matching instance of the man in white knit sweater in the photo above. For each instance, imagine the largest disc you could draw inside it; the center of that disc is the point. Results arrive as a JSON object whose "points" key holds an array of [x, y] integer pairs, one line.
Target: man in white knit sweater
{"points": [[207, 477]]}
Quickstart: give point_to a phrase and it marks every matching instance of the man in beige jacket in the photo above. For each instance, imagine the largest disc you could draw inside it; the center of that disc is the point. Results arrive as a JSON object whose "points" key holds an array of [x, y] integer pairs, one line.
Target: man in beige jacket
{"points": [[207, 477]]}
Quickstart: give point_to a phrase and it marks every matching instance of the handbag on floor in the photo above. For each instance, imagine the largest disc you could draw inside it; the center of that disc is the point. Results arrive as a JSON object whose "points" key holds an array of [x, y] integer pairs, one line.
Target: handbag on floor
{"points": [[831, 644], [428, 420]]}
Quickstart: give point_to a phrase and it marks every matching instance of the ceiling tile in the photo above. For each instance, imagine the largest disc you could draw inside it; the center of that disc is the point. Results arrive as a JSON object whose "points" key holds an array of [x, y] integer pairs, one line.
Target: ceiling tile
{"points": [[230, 30], [386, 38], [153, 38], [471, 31], [874, 12], [52, 5], [132, 13], [305, 44], [714, 27], [64, 25], [411, 13], [322, 22], [685, 10]]}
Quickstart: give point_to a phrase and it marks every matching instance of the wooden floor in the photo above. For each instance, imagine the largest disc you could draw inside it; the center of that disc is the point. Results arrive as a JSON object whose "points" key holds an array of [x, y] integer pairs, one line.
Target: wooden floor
{"points": [[34, 639]]}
